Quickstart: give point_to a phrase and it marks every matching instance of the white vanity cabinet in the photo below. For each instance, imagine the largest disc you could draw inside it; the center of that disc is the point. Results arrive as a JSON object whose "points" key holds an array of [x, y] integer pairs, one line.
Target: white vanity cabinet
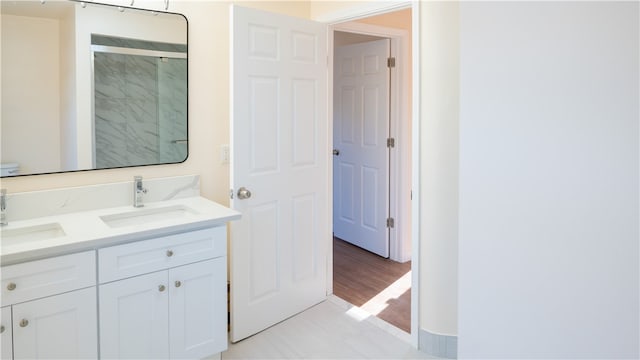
{"points": [[164, 297], [49, 308], [6, 341]]}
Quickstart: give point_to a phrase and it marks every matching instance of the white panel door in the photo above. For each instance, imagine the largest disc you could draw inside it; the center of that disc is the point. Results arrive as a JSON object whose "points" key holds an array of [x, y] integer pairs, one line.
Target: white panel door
{"points": [[57, 327], [279, 153], [360, 132], [198, 309], [134, 318]]}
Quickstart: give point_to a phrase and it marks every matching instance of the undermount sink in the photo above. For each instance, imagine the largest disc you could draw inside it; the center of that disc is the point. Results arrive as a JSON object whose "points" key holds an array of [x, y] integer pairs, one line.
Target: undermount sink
{"points": [[11, 237], [143, 216]]}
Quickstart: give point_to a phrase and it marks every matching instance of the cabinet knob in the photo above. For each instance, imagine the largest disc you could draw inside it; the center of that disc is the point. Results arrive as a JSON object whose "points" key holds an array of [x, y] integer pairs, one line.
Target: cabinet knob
{"points": [[1, 329], [11, 286], [169, 253], [161, 288], [178, 283], [24, 322]]}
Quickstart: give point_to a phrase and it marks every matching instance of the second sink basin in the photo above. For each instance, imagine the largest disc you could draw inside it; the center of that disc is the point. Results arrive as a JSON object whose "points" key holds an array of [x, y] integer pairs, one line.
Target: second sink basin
{"points": [[31, 233], [143, 216]]}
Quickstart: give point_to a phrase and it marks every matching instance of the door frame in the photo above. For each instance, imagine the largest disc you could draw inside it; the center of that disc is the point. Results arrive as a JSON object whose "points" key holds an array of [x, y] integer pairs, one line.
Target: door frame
{"points": [[339, 21]]}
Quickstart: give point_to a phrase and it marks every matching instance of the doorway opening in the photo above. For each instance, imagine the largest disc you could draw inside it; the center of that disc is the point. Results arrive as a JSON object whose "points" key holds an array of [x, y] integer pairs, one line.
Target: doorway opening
{"points": [[372, 270]]}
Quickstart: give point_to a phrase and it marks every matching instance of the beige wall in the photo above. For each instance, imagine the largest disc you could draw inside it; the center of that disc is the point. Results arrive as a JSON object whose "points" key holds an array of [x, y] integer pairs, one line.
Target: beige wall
{"points": [[68, 158], [33, 79], [345, 38], [400, 19], [329, 10]]}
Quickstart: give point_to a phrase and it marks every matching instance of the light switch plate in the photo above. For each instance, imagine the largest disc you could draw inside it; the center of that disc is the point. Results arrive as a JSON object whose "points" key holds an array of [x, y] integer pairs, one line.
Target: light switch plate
{"points": [[224, 154]]}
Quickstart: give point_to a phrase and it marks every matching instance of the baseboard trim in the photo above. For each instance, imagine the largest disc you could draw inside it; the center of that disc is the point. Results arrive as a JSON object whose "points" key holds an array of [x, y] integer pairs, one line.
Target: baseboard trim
{"points": [[444, 346]]}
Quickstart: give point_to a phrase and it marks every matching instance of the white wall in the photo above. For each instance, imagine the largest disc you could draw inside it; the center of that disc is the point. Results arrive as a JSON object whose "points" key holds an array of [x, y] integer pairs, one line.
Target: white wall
{"points": [[549, 156], [33, 79], [439, 111]]}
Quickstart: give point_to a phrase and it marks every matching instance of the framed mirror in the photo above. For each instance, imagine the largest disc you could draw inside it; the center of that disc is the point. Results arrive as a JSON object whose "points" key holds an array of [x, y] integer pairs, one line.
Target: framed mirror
{"points": [[87, 86]]}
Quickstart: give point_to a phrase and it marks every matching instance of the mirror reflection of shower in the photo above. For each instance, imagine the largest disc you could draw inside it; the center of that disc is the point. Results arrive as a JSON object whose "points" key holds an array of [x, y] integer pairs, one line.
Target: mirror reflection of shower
{"points": [[140, 102]]}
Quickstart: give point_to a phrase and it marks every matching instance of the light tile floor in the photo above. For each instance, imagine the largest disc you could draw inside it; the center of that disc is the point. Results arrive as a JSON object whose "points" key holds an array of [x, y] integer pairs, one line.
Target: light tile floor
{"points": [[329, 330]]}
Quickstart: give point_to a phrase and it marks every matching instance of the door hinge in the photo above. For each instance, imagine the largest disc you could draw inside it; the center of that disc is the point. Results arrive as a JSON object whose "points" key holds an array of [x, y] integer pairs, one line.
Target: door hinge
{"points": [[230, 193], [391, 142], [390, 222], [391, 62]]}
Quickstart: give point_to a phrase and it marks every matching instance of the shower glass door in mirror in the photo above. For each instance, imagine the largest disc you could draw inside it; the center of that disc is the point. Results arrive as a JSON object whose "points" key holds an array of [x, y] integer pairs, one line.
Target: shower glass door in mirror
{"points": [[88, 86], [140, 93]]}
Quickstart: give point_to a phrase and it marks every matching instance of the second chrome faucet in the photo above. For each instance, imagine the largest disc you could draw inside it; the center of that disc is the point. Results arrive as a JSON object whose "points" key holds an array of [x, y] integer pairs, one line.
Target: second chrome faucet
{"points": [[138, 191]]}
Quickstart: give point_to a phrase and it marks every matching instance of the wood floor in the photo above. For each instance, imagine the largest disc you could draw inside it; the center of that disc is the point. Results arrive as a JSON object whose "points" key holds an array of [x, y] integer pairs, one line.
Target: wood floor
{"points": [[379, 286]]}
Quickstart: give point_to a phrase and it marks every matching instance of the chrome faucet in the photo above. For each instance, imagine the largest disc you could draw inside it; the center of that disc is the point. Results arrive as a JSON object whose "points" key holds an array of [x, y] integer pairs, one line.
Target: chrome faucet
{"points": [[3, 207], [138, 191]]}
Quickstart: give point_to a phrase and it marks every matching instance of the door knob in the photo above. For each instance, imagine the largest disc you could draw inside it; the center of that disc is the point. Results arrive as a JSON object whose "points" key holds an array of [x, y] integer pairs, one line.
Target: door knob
{"points": [[336, 152], [244, 193]]}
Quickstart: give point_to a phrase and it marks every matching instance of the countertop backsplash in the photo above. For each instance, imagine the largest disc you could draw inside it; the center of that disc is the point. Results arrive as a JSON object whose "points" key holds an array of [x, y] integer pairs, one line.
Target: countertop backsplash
{"points": [[33, 204]]}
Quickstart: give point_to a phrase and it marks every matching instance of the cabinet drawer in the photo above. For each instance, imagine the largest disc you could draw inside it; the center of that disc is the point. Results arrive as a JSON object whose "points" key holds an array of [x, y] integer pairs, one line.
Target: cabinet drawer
{"points": [[40, 278], [122, 261]]}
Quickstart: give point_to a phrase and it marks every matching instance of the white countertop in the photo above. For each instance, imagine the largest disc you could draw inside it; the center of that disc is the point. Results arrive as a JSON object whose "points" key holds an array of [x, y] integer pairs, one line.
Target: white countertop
{"points": [[85, 230]]}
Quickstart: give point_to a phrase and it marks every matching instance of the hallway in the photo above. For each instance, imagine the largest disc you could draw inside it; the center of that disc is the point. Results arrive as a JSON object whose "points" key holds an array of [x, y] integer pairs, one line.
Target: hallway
{"points": [[379, 286]]}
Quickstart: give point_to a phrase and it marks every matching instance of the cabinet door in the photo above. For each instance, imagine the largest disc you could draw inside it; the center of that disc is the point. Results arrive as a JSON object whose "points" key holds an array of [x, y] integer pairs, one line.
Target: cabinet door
{"points": [[6, 345], [134, 318], [198, 309], [57, 327]]}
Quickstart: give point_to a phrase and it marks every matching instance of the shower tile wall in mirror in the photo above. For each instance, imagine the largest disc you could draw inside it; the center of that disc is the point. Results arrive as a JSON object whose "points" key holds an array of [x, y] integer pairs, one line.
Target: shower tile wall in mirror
{"points": [[140, 92], [89, 86]]}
